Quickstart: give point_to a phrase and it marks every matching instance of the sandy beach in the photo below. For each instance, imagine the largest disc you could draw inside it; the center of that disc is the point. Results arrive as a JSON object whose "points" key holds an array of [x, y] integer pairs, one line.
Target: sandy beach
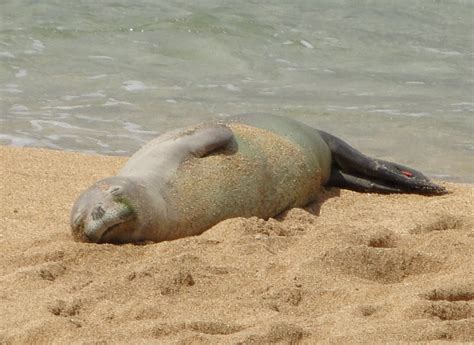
{"points": [[351, 268]]}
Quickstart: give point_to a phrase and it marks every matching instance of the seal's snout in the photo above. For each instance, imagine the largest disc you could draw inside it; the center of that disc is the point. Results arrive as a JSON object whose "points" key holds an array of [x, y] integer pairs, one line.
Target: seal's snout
{"points": [[107, 219], [103, 213], [98, 213]]}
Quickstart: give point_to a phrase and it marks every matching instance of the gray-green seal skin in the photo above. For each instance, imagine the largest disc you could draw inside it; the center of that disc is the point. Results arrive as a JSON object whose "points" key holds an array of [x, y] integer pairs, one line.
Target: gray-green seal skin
{"points": [[185, 181]]}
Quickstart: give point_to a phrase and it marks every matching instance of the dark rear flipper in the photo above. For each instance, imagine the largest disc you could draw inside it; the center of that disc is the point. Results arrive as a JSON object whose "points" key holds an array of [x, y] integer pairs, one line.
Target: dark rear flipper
{"points": [[352, 169]]}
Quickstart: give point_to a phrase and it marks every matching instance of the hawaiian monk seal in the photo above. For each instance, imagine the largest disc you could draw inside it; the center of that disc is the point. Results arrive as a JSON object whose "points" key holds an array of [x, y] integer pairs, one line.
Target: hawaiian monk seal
{"points": [[185, 181]]}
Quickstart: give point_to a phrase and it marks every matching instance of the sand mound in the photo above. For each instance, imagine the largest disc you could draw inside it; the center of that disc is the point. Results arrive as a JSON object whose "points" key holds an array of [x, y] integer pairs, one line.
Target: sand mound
{"points": [[351, 268]]}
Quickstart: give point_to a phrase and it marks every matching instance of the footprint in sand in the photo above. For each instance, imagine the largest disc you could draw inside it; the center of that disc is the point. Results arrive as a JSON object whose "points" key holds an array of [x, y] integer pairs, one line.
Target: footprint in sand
{"points": [[283, 299], [275, 333], [199, 328], [383, 265], [65, 308], [448, 303], [442, 223]]}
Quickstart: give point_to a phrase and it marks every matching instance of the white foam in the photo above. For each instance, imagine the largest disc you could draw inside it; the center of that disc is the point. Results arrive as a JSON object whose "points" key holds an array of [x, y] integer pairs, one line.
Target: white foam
{"points": [[399, 113], [437, 51], [386, 111], [102, 144], [463, 103], [57, 137], [126, 136], [11, 88], [19, 109], [67, 107], [207, 86], [18, 141], [7, 55], [97, 94], [54, 137], [444, 52], [417, 114], [306, 69], [37, 125], [98, 76], [134, 85], [98, 142], [270, 89], [113, 102], [136, 128], [306, 44], [21, 73], [50, 145], [92, 119], [115, 152], [69, 97], [100, 57], [284, 61], [232, 87], [415, 82], [332, 107], [38, 46]]}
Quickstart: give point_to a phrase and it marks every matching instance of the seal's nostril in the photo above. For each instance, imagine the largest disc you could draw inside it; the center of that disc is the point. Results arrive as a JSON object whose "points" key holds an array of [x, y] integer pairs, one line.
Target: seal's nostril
{"points": [[97, 213]]}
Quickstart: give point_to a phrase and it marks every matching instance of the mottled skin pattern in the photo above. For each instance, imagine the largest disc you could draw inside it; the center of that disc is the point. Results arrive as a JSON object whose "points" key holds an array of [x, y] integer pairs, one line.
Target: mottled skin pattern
{"points": [[185, 181]]}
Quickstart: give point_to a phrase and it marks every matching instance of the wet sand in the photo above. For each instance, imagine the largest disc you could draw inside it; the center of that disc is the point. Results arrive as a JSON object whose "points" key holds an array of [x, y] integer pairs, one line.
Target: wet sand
{"points": [[351, 268]]}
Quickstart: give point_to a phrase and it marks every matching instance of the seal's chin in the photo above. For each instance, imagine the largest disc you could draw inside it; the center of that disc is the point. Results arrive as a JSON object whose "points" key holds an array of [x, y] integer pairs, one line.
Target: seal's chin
{"points": [[116, 233]]}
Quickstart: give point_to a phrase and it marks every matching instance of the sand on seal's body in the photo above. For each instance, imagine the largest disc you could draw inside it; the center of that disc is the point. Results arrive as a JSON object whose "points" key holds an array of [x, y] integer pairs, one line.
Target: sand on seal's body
{"points": [[228, 194], [350, 268]]}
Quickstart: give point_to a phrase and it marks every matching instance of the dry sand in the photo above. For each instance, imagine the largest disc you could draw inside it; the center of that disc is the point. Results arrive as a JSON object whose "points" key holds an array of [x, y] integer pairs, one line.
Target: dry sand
{"points": [[353, 268]]}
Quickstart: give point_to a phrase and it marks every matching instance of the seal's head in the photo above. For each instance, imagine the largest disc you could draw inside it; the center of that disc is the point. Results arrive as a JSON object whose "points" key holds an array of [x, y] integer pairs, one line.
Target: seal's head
{"points": [[107, 212]]}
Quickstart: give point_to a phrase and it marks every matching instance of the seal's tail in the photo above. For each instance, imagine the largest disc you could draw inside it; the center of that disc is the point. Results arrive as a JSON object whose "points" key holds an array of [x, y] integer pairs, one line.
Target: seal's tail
{"points": [[352, 169]]}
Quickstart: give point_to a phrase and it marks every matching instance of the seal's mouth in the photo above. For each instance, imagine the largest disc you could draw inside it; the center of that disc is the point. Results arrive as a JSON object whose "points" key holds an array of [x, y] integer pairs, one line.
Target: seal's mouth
{"points": [[108, 234]]}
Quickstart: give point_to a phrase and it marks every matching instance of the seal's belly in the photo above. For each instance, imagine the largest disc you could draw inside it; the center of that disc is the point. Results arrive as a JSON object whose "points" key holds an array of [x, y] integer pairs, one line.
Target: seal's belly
{"points": [[261, 174]]}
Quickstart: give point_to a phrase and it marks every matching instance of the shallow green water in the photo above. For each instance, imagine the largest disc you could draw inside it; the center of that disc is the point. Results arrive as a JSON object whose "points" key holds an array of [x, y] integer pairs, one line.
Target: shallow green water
{"points": [[393, 78]]}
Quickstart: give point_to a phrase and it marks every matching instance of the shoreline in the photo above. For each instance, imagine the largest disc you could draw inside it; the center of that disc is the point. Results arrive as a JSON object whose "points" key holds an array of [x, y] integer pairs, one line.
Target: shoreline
{"points": [[467, 179], [353, 268]]}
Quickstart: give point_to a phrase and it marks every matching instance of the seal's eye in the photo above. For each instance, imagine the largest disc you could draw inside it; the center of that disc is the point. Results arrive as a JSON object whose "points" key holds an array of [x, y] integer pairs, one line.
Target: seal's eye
{"points": [[115, 190]]}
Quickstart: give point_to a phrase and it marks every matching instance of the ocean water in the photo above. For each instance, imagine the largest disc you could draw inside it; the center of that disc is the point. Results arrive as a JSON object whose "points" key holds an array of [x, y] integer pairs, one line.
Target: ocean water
{"points": [[393, 78]]}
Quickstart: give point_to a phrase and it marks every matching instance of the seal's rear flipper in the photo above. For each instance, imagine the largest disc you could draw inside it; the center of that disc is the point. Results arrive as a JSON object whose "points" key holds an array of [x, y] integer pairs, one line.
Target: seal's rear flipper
{"points": [[352, 169], [357, 183]]}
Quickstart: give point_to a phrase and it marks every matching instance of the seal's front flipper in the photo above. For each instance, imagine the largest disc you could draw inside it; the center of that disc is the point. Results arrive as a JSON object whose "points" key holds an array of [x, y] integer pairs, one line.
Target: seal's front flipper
{"points": [[202, 141], [166, 152], [353, 170]]}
